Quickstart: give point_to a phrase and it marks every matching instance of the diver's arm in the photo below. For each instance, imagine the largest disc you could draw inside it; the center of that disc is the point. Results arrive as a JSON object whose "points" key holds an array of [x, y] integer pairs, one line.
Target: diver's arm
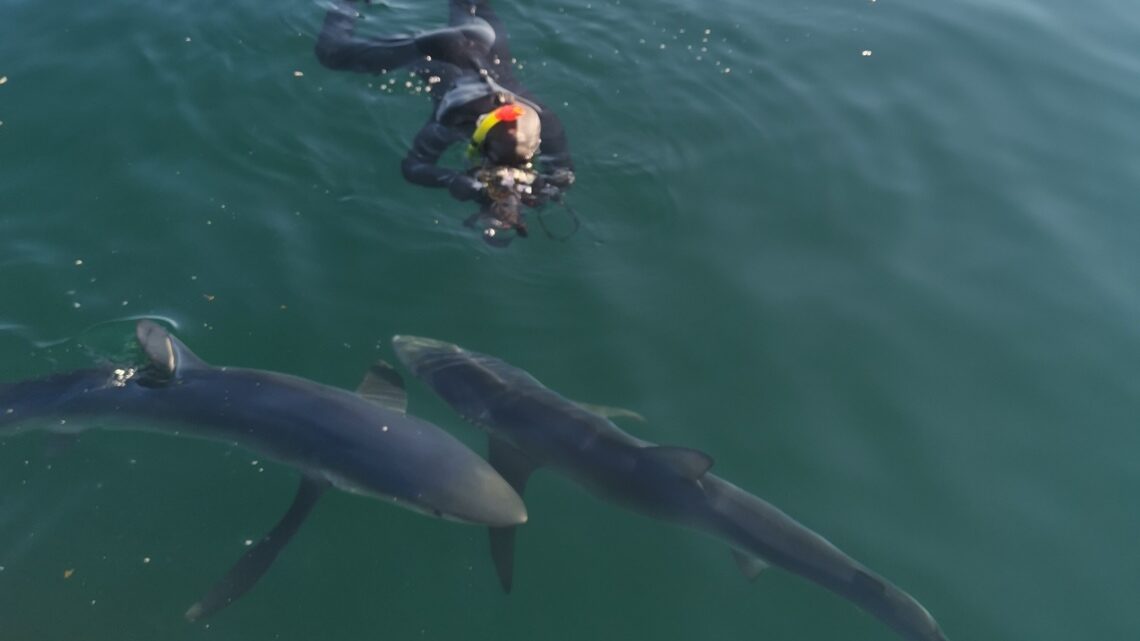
{"points": [[420, 165]]}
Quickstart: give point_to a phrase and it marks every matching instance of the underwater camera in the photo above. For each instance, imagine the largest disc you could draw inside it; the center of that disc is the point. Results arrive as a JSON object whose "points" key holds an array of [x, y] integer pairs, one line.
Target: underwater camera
{"points": [[508, 190]]}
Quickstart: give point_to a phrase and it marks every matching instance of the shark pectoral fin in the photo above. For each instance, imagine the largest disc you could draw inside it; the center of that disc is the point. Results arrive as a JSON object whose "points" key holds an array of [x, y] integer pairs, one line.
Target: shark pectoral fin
{"points": [[610, 412], [165, 352], [690, 463], [256, 561], [503, 554], [750, 566], [515, 467], [383, 385]]}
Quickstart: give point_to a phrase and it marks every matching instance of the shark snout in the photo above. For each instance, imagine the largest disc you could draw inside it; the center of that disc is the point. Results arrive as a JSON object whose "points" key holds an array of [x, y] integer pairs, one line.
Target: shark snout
{"points": [[413, 350], [487, 499]]}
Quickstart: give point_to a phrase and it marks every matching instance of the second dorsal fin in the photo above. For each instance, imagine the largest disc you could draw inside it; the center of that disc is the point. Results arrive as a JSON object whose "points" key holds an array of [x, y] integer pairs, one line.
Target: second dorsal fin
{"points": [[165, 352]]}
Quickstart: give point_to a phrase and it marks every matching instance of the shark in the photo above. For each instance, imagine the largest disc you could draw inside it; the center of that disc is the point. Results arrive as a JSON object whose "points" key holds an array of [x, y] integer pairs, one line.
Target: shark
{"points": [[531, 426], [362, 442]]}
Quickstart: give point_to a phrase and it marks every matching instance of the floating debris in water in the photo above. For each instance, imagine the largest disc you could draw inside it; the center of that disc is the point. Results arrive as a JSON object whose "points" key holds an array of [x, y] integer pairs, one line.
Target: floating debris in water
{"points": [[866, 53], [3, 79], [298, 74], [67, 573]]}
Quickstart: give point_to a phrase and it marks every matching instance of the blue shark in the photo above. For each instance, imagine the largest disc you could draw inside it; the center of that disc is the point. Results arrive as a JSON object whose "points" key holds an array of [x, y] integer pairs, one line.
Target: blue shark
{"points": [[361, 442], [531, 426]]}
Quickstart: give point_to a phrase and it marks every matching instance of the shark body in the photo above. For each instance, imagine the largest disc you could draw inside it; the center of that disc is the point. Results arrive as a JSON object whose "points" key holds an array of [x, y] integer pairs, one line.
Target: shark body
{"points": [[531, 426], [361, 442]]}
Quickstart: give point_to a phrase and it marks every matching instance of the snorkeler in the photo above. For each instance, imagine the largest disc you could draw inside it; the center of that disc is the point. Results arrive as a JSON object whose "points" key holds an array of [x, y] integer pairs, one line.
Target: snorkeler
{"points": [[478, 100]]}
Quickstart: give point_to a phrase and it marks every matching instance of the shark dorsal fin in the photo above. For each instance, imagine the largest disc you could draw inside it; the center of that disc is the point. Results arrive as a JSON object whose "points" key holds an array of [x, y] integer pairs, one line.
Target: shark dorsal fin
{"points": [[384, 386], [689, 463], [165, 352]]}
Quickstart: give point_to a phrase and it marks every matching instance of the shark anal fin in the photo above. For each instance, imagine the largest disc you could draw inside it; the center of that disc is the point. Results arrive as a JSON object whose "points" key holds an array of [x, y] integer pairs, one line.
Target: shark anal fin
{"points": [[750, 566], [383, 385], [689, 463], [516, 468], [256, 561]]}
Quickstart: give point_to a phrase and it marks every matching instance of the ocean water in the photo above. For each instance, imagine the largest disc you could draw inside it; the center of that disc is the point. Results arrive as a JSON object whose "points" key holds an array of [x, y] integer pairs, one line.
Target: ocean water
{"points": [[877, 258]]}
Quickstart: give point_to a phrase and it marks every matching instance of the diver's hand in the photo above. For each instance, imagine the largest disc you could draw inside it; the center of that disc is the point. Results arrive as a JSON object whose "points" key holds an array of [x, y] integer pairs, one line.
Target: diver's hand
{"points": [[464, 187], [552, 186], [561, 178]]}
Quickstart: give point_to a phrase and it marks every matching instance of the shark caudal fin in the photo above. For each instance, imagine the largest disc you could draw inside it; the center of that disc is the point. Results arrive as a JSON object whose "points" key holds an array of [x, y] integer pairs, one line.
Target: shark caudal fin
{"points": [[759, 532], [166, 353]]}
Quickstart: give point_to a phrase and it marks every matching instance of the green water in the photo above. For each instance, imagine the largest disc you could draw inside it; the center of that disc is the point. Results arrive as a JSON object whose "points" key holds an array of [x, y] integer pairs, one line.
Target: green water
{"points": [[877, 258]]}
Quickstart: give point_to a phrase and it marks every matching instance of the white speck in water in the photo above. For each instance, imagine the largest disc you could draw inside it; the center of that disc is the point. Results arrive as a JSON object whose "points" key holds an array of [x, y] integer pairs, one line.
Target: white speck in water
{"points": [[248, 542], [866, 53], [384, 428], [78, 262], [253, 462], [298, 74], [3, 79], [187, 38], [146, 559]]}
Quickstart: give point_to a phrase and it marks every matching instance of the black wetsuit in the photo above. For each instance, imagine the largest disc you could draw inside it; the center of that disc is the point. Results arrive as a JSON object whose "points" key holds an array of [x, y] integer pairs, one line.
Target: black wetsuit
{"points": [[468, 68]]}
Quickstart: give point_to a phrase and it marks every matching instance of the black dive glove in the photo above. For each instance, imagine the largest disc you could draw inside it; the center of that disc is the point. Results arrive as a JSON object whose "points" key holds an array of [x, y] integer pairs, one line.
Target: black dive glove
{"points": [[464, 187], [553, 185]]}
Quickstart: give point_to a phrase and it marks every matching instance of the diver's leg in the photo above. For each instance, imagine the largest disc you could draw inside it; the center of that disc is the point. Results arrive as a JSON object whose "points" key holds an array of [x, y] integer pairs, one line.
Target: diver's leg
{"points": [[499, 54], [338, 48]]}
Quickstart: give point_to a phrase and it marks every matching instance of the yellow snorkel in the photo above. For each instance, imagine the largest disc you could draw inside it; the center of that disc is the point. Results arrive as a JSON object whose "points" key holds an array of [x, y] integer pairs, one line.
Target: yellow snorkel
{"points": [[506, 113]]}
